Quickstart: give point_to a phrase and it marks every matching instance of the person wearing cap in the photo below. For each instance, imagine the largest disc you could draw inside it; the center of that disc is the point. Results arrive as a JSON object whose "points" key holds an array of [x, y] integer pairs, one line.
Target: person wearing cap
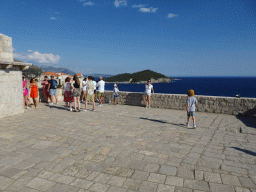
{"points": [[52, 87], [115, 93], [101, 89], [191, 107]]}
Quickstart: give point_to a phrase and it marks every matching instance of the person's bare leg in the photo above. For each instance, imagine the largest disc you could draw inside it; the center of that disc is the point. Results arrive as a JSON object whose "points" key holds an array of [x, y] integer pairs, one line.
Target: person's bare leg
{"points": [[148, 101], [188, 118], [194, 119], [56, 98], [51, 98], [37, 103], [78, 102], [114, 101], [75, 102], [85, 103], [146, 98]]}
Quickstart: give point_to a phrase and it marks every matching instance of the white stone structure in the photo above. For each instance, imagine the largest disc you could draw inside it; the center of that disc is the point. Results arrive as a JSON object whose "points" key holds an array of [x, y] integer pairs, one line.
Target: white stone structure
{"points": [[11, 97]]}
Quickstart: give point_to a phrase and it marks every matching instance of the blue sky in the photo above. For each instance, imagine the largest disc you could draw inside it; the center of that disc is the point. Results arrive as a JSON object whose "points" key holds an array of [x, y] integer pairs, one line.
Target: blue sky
{"points": [[173, 37]]}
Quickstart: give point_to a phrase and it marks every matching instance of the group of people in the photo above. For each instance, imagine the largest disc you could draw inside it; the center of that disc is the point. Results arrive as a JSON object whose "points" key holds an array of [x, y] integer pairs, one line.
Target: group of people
{"points": [[29, 86], [74, 90], [86, 90]]}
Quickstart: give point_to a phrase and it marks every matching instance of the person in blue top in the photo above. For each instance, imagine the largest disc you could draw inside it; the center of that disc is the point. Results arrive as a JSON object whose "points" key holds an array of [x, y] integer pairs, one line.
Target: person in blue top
{"points": [[52, 86], [191, 107]]}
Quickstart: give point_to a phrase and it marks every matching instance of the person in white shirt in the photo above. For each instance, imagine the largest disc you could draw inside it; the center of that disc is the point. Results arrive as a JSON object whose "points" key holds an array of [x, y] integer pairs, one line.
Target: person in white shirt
{"points": [[90, 93], [94, 83], [101, 89], [84, 83], [148, 89], [115, 93]]}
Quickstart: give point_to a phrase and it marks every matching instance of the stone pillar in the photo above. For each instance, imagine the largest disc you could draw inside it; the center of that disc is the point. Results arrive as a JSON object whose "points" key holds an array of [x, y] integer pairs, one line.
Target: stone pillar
{"points": [[6, 54]]}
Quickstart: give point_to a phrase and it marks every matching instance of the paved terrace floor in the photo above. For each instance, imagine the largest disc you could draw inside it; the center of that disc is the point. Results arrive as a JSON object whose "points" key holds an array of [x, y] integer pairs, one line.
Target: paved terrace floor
{"points": [[124, 149]]}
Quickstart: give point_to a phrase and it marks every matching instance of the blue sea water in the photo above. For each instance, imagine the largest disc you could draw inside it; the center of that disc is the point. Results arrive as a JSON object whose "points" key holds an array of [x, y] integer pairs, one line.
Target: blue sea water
{"points": [[212, 86]]}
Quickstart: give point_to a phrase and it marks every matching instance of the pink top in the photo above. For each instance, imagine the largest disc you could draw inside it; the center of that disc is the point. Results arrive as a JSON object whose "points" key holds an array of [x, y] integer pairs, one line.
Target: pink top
{"points": [[25, 90]]}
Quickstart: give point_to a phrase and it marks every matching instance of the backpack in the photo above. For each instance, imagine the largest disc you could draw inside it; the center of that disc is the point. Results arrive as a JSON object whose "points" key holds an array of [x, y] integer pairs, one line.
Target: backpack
{"points": [[54, 84]]}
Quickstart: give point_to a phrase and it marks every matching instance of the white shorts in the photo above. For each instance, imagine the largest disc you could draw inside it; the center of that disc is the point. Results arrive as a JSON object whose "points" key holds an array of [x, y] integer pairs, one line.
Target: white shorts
{"points": [[148, 94], [84, 88]]}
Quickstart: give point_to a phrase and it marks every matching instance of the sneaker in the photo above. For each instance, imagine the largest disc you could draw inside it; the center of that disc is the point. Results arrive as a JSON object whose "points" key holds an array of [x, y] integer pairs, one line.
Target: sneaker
{"points": [[93, 110], [187, 124], [146, 106], [85, 110], [57, 103], [50, 103], [194, 125], [149, 107], [99, 105], [71, 109]]}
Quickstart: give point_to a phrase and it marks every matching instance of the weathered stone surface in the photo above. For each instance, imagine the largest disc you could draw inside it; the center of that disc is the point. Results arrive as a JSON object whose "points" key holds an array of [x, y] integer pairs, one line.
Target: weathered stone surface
{"points": [[67, 149], [194, 184], [40, 184], [175, 181], [215, 187], [168, 170]]}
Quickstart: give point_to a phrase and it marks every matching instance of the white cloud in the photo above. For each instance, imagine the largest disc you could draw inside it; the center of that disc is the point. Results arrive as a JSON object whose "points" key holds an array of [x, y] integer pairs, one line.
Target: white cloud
{"points": [[138, 6], [171, 15], [148, 10], [53, 18], [37, 57], [30, 51], [89, 3], [119, 3]]}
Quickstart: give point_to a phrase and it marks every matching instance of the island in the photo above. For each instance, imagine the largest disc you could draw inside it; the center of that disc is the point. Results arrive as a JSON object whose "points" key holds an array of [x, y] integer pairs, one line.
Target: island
{"points": [[139, 77]]}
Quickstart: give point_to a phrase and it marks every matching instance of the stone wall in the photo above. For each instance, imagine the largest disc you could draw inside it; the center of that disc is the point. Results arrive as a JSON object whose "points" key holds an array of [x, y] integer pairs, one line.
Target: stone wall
{"points": [[6, 53], [211, 104], [11, 97]]}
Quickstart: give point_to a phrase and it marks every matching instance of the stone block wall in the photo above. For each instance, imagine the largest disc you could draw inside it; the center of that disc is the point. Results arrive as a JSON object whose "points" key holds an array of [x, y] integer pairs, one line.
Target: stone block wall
{"points": [[6, 53], [11, 97], [211, 104]]}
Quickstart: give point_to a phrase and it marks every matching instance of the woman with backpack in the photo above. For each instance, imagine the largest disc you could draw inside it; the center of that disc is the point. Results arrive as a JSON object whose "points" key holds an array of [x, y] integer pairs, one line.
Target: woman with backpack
{"points": [[76, 92], [52, 86]]}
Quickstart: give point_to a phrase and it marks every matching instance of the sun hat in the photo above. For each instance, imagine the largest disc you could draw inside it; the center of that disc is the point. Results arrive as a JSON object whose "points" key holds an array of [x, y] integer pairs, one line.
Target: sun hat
{"points": [[191, 92], [115, 85]]}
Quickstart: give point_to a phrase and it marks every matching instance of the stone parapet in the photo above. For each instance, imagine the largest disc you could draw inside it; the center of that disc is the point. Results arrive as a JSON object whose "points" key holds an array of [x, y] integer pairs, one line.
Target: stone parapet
{"points": [[211, 104]]}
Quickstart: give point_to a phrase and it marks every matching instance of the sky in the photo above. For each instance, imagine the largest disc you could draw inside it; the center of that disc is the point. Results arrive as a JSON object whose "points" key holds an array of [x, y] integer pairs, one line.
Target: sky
{"points": [[173, 37]]}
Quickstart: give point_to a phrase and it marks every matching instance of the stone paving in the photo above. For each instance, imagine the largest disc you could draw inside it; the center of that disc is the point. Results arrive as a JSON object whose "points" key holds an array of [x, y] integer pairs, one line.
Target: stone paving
{"points": [[124, 149]]}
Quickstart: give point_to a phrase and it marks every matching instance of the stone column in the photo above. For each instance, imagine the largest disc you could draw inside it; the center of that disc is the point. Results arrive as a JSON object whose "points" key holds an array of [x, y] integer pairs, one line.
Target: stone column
{"points": [[6, 54]]}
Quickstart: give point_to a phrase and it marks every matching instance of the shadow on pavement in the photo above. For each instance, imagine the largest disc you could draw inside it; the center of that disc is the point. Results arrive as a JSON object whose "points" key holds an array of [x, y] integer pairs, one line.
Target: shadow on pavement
{"points": [[57, 107], [161, 121], [245, 151], [248, 118]]}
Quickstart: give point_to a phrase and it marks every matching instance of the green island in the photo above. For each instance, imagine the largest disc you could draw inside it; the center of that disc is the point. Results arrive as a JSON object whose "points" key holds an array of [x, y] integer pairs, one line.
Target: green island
{"points": [[138, 77]]}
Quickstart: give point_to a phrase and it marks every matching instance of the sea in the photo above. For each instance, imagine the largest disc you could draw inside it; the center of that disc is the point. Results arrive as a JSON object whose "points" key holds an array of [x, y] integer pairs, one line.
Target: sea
{"points": [[210, 86]]}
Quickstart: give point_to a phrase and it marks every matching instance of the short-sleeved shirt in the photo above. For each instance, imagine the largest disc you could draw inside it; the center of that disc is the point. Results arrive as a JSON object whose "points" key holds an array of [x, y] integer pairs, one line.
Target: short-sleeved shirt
{"points": [[67, 87], [115, 91], [51, 82], [101, 86], [191, 101], [85, 87], [148, 88], [94, 83], [90, 88]]}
